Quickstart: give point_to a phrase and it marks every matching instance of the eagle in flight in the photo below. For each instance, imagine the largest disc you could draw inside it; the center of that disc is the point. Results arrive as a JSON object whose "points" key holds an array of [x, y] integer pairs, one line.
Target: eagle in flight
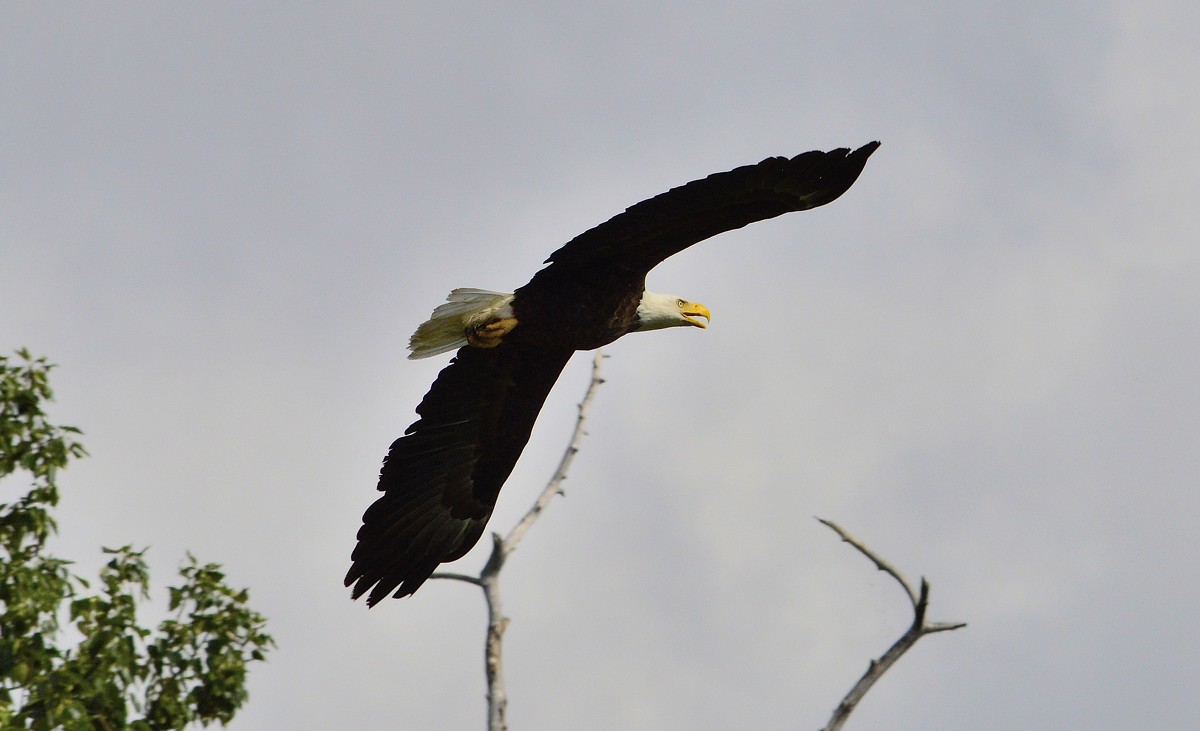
{"points": [[441, 479]]}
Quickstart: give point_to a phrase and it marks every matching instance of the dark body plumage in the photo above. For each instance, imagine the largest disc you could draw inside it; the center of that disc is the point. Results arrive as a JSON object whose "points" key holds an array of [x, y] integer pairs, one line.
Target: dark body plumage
{"points": [[441, 479]]}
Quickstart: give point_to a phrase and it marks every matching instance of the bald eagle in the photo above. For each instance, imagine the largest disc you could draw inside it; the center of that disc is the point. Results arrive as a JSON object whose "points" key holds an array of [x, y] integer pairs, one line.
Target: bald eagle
{"points": [[441, 479]]}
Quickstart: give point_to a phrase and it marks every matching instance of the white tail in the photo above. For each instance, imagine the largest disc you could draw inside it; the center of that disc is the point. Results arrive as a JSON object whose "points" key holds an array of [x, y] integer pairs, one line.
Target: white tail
{"points": [[445, 330]]}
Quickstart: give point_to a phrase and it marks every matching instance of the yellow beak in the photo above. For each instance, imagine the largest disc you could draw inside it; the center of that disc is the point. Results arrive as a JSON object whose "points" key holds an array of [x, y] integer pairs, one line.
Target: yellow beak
{"points": [[692, 310]]}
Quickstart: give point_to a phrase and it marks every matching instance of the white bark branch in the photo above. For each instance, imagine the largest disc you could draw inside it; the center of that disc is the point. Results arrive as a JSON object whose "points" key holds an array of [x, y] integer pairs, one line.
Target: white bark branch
{"points": [[503, 546], [918, 629], [554, 486], [489, 577]]}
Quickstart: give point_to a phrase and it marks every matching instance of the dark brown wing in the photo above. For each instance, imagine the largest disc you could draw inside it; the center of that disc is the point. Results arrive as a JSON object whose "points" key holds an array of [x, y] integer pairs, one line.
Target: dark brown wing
{"points": [[651, 231], [440, 480]]}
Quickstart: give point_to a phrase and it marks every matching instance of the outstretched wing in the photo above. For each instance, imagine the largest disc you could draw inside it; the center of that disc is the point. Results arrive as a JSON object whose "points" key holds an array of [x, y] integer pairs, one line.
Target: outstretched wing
{"points": [[440, 480], [649, 232]]}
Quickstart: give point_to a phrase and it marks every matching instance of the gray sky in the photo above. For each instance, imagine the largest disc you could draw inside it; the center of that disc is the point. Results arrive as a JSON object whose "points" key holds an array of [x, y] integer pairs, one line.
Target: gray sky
{"points": [[224, 220]]}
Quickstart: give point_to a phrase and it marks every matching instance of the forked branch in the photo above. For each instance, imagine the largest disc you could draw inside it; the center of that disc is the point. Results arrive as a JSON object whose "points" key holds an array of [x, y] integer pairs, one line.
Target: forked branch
{"points": [[489, 577], [503, 546], [918, 629]]}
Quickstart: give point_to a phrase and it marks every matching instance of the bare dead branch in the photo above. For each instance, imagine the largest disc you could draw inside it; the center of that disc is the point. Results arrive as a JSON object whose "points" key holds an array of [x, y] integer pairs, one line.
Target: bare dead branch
{"points": [[489, 577], [457, 577], [493, 658], [882, 565], [918, 629], [554, 486], [502, 546]]}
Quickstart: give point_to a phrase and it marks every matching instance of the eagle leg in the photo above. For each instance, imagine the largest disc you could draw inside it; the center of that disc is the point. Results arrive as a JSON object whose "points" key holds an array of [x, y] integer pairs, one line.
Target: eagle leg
{"points": [[490, 334]]}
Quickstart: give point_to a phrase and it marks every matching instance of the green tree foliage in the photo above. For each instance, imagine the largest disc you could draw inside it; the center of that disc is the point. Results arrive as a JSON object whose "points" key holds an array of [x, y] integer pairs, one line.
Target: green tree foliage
{"points": [[118, 674]]}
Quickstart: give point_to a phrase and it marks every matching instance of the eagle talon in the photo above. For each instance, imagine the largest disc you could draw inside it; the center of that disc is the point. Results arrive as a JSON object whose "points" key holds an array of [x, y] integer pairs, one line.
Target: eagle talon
{"points": [[491, 334]]}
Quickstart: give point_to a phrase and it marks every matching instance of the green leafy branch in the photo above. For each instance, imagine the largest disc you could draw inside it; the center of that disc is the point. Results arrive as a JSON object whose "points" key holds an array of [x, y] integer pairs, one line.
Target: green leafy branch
{"points": [[119, 674]]}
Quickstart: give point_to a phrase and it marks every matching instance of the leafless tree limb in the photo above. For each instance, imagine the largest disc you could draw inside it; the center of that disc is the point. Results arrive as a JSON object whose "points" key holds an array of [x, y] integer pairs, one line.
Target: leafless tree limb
{"points": [[489, 577], [918, 629], [502, 546], [457, 577], [554, 486]]}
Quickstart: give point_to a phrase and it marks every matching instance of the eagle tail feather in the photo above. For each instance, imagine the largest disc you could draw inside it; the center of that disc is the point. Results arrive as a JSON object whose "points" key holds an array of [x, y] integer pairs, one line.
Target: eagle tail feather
{"points": [[464, 308]]}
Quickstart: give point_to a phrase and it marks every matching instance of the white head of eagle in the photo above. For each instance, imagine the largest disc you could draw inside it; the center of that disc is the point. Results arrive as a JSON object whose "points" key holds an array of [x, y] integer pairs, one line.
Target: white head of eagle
{"points": [[657, 310]]}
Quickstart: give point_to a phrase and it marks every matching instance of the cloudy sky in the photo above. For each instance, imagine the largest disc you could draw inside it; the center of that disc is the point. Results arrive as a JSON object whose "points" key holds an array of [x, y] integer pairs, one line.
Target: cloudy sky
{"points": [[223, 221]]}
